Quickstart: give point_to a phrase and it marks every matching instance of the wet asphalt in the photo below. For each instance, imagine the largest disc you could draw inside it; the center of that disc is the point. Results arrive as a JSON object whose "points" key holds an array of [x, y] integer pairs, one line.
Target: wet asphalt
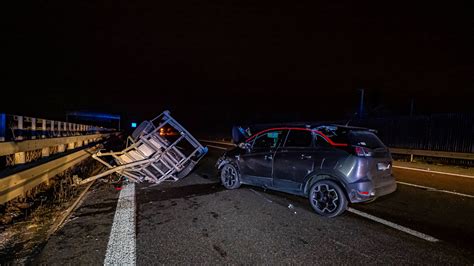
{"points": [[197, 221]]}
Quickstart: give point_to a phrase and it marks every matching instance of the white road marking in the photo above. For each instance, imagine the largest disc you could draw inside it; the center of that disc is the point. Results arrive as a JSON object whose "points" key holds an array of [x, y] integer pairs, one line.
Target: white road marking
{"points": [[394, 225], [269, 200], [121, 249], [436, 190], [433, 172], [379, 220], [216, 147]]}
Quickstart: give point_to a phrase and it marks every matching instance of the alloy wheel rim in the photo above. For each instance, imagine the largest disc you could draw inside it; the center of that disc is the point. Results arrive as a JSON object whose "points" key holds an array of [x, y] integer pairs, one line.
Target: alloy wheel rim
{"points": [[230, 176], [325, 198]]}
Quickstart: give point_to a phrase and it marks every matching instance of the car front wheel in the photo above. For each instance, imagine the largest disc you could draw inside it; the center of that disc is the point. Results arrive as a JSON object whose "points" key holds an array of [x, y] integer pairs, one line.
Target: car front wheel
{"points": [[230, 176], [327, 198]]}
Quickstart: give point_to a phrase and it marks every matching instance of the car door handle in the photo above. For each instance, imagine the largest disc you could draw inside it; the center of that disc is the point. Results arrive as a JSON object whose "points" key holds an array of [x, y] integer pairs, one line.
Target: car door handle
{"points": [[303, 157], [268, 157]]}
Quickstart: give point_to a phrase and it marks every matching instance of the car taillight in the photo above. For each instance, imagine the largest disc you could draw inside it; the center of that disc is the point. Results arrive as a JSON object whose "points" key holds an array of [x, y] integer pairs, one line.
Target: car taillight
{"points": [[362, 151]]}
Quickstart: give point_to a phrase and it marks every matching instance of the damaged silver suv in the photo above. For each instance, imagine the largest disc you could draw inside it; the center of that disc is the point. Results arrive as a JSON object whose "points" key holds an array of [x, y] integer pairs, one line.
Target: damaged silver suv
{"points": [[331, 165]]}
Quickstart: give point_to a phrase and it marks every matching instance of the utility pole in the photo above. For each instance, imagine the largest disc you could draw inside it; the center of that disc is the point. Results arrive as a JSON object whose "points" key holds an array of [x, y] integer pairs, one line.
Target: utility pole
{"points": [[361, 107]]}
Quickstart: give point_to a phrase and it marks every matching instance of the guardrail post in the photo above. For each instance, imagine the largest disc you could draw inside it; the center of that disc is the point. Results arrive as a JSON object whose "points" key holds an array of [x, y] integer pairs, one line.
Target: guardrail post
{"points": [[3, 122], [43, 125], [20, 157], [33, 128], [53, 134], [71, 146], [61, 148], [45, 152], [19, 128], [411, 157]]}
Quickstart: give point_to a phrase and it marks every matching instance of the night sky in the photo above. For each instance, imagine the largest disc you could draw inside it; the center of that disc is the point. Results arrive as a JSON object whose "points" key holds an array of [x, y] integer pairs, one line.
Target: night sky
{"points": [[230, 61]]}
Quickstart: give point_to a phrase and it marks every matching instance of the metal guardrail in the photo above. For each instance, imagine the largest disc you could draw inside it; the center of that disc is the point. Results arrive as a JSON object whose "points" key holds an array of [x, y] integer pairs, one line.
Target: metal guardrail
{"points": [[438, 154], [15, 128], [12, 147], [18, 184], [25, 139]]}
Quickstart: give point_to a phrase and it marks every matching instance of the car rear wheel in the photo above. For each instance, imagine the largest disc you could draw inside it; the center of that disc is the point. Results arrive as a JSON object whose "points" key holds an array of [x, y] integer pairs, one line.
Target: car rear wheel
{"points": [[230, 176], [327, 198]]}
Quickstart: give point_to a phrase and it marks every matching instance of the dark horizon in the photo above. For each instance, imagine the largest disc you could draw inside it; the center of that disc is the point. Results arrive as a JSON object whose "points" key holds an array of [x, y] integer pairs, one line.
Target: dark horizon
{"points": [[231, 62]]}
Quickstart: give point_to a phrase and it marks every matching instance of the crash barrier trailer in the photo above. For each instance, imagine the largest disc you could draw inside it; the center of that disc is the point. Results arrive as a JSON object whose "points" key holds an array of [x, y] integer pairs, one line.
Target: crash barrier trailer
{"points": [[152, 155]]}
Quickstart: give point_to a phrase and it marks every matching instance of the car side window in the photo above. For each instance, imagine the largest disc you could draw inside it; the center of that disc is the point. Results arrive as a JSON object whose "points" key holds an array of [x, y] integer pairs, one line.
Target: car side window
{"points": [[299, 138], [269, 139], [319, 141]]}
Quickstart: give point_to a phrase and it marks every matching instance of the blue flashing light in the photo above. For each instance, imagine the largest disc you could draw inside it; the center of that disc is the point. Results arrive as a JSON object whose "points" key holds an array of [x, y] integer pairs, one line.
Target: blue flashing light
{"points": [[95, 115], [134, 125]]}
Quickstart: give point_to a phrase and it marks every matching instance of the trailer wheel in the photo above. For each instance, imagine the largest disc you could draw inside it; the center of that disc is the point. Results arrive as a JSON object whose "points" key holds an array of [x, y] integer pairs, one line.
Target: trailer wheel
{"points": [[187, 169]]}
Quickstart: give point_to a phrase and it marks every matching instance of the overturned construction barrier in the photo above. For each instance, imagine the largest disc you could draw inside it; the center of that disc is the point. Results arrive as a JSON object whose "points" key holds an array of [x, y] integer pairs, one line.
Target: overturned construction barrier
{"points": [[159, 150]]}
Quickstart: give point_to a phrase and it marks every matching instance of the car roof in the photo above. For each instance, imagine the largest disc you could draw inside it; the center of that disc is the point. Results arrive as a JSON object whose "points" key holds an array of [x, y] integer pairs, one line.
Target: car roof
{"points": [[260, 127], [330, 141]]}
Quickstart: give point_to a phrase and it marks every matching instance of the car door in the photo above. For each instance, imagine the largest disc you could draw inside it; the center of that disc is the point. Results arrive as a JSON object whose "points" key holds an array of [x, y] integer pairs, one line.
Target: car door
{"points": [[256, 166], [294, 161]]}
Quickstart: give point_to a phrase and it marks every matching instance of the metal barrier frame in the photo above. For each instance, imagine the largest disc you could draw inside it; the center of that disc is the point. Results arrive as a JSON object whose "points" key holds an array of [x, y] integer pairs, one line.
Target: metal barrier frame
{"points": [[150, 157]]}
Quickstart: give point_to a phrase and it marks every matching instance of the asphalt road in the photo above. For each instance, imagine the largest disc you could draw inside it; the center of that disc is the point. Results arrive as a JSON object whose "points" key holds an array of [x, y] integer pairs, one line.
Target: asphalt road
{"points": [[197, 221]]}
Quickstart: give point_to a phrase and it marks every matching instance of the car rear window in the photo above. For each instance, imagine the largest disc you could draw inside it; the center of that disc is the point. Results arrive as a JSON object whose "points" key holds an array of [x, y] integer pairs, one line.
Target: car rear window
{"points": [[365, 139], [361, 138]]}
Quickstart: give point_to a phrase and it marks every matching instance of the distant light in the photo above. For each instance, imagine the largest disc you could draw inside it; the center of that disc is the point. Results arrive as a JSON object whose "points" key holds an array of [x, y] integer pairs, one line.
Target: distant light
{"points": [[134, 124]]}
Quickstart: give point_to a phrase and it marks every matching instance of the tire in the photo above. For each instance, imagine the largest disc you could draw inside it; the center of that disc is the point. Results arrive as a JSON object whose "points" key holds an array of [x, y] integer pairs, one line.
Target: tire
{"points": [[327, 198], [230, 176], [185, 172]]}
